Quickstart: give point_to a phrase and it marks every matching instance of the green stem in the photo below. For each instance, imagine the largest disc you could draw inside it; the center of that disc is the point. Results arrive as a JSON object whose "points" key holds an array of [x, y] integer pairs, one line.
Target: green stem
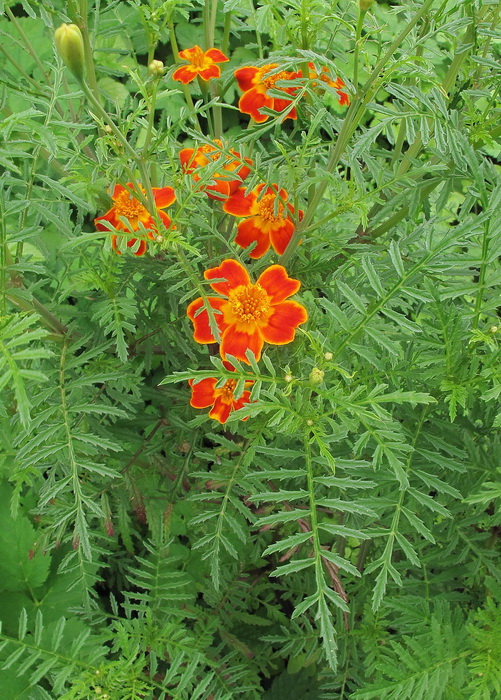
{"points": [[89, 62], [358, 35], [350, 124]]}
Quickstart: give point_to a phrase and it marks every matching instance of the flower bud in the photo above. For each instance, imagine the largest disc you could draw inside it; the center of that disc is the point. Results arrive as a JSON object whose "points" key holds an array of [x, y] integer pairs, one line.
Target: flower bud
{"points": [[288, 378], [156, 68], [70, 46], [365, 5], [493, 329], [328, 356], [316, 376]]}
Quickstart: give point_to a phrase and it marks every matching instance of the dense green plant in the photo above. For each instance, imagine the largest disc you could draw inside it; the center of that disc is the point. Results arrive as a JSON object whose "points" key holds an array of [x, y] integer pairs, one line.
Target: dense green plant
{"points": [[342, 541]]}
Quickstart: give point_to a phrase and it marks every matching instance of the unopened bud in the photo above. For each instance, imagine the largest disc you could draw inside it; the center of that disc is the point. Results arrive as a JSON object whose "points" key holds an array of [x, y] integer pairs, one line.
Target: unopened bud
{"points": [[309, 422], [70, 46], [365, 5], [493, 329], [156, 68], [288, 377], [328, 356], [316, 376], [159, 238]]}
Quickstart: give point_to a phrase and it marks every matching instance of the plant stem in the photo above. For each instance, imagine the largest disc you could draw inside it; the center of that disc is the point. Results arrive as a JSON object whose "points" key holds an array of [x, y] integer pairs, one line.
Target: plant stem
{"points": [[350, 124], [358, 35]]}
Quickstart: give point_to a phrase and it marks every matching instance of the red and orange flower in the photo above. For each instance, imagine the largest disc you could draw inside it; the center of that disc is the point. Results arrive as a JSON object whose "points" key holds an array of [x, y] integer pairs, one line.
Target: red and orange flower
{"points": [[200, 63], [338, 84], [222, 400], [248, 315], [268, 221], [256, 82], [193, 160], [130, 208]]}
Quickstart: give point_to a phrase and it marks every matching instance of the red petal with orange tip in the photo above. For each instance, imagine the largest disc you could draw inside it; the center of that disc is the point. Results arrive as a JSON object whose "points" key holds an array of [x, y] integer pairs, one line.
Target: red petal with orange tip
{"points": [[202, 393], [164, 196], [221, 410], [281, 235], [232, 271], [185, 74], [240, 204], [111, 218], [248, 232], [282, 324], [187, 159], [202, 332], [237, 343], [278, 284], [252, 101], [212, 71], [246, 77], [216, 55]]}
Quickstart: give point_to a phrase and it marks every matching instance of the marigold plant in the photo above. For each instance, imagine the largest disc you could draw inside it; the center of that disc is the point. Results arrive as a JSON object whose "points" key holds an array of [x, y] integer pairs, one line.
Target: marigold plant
{"points": [[249, 350]]}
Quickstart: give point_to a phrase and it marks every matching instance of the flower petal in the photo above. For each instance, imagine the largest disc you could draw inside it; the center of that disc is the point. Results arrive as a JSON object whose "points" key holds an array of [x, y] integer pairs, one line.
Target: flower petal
{"points": [[232, 271], [252, 101], [202, 393], [280, 236], [216, 55], [282, 105], [249, 232], [221, 410], [118, 189], [111, 218], [202, 332], [190, 54], [240, 204], [281, 326], [212, 71], [219, 191], [235, 343], [278, 284], [164, 196], [187, 158], [246, 77], [185, 74]]}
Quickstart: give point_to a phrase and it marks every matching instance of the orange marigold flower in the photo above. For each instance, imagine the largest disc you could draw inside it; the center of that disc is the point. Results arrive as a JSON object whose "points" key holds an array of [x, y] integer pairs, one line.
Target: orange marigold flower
{"points": [[222, 400], [268, 222], [193, 160], [202, 63], [248, 315], [255, 83], [338, 84], [127, 206]]}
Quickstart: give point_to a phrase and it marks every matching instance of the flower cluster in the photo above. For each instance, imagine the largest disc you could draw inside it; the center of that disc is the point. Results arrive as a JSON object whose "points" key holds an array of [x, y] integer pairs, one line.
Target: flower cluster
{"points": [[245, 315]]}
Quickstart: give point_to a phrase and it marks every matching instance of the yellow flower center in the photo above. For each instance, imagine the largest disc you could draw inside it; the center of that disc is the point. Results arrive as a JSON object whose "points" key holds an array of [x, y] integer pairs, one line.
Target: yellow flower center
{"points": [[198, 58], [269, 82], [130, 207], [249, 302], [266, 206], [210, 152], [226, 392]]}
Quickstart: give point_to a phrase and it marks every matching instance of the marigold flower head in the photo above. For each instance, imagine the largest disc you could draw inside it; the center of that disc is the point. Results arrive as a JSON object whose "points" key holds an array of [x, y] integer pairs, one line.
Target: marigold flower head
{"points": [[193, 160], [247, 314], [267, 221], [222, 400], [130, 208], [202, 63], [324, 77], [255, 84]]}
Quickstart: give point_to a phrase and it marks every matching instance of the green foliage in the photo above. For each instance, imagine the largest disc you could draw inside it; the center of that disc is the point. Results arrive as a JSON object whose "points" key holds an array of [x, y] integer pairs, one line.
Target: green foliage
{"points": [[338, 536]]}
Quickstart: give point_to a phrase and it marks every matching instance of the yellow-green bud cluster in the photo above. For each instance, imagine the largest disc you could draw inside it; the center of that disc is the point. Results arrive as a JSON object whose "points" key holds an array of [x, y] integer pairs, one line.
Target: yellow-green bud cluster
{"points": [[316, 376]]}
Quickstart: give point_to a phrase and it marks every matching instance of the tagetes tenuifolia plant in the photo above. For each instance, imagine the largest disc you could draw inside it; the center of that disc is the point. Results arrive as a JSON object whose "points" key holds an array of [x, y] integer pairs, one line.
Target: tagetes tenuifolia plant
{"points": [[222, 400], [223, 183], [267, 219], [256, 83], [130, 208], [248, 315], [200, 63]]}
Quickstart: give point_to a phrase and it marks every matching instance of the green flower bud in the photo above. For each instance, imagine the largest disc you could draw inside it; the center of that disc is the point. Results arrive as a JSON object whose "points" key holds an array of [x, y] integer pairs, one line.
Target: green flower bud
{"points": [[70, 46], [316, 376], [156, 68], [365, 5], [328, 356]]}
